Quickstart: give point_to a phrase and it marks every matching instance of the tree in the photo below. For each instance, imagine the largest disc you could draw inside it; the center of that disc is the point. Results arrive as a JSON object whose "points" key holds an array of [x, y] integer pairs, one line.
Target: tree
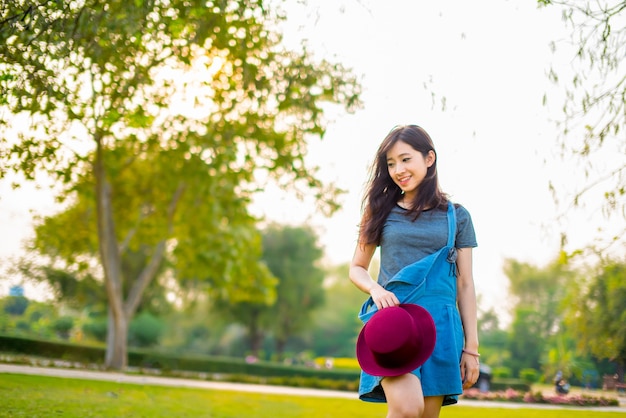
{"points": [[597, 313], [540, 289], [189, 101], [16, 305], [537, 313], [526, 344], [292, 255], [63, 325], [494, 341], [253, 315], [594, 107], [336, 324], [68, 242]]}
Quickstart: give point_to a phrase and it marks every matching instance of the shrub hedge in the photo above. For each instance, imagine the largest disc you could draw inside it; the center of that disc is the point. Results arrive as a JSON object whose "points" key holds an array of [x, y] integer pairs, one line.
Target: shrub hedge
{"points": [[504, 384], [224, 368], [167, 362]]}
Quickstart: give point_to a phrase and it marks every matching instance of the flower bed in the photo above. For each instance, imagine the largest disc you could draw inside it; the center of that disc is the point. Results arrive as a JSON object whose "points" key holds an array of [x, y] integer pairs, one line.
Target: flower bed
{"points": [[511, 395]]}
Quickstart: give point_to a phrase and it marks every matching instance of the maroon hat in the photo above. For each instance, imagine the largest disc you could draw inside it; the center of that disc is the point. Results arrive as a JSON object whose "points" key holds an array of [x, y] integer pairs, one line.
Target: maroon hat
{"points": [[396, 340]]}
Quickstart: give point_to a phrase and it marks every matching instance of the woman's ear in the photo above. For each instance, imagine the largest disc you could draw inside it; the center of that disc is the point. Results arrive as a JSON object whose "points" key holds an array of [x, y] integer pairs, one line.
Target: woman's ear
{"points": [[431, 158]]}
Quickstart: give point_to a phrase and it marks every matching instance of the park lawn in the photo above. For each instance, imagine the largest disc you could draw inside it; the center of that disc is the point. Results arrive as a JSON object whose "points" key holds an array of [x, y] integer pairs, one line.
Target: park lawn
{"points": [[42, 396]]}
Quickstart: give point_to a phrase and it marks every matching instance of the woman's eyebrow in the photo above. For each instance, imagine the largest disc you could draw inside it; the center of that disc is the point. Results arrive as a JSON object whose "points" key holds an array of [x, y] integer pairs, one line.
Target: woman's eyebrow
{"points": [[399, 156]]}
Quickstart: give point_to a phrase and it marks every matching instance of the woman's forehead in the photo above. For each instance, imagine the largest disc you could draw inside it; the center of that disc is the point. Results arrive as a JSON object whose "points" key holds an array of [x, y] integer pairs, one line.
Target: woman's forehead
{"points": [[399, 149]]}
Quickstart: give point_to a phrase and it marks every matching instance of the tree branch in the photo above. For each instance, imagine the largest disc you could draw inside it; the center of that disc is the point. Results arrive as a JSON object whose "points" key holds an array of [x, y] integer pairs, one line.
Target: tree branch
{"points": [[150, 270]]}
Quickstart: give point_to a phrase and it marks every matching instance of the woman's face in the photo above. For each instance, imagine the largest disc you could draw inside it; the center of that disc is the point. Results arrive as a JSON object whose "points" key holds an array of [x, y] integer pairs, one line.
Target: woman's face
{"points": [[407, 167]]}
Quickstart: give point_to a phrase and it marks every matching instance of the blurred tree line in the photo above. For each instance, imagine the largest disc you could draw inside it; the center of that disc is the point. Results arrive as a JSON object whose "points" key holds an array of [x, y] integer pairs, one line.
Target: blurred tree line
{"points": [[564, 316], [314, 311]]}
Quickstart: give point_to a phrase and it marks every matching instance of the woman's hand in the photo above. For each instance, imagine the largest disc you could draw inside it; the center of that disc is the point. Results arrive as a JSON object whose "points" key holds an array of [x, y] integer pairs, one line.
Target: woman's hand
{"points": [[382, 297], [470, 370]]}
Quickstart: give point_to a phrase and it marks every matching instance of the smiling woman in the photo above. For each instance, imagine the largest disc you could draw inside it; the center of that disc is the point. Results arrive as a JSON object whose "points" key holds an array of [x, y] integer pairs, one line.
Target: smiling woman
{"points": [[426, 246]]}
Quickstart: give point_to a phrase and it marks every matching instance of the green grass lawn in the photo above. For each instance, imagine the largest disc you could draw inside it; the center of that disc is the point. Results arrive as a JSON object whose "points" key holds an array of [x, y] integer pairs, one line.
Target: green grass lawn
{"points": [[39, 396]]}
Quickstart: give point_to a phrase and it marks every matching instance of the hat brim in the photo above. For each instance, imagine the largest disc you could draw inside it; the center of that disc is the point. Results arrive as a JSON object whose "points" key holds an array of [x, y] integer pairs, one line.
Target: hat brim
{"points": [[427, 335]]}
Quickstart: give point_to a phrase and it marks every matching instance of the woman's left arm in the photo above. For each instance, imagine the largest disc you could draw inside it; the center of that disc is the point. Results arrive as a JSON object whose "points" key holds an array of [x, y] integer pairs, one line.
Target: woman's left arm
{"points": [[466, 298]]}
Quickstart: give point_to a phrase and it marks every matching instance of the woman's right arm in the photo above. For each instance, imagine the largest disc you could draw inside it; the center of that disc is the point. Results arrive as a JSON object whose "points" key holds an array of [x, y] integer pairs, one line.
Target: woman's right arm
{"points": [[359, 275]]}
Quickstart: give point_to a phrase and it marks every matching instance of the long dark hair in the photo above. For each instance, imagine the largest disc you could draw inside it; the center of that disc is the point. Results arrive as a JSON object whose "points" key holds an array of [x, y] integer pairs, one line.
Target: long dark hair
{"points": [[382, 193]]}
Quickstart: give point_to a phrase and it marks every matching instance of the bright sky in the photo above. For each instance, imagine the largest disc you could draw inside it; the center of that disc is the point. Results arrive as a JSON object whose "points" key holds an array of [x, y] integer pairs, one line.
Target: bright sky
{"points": [[489, 60], [495, 141]]}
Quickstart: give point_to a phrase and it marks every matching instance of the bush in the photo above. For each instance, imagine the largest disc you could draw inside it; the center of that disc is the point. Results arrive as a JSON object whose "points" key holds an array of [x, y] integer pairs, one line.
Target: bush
{"points": [[166, 362], [15, 305], [145, 330], [506, 384], [63, 326], [503, 372], [52, 349], [22, 325], [96, 329], [529, 375]]}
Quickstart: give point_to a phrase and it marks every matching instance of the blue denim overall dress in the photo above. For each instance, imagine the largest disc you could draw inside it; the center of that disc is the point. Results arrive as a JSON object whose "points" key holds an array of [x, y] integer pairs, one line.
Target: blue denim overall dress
{"points": [[430, 283]]}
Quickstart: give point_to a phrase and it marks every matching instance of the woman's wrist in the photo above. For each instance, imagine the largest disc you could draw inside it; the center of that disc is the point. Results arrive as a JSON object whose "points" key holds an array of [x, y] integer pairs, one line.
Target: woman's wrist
{"points": [[471, 352], [373, 284]]}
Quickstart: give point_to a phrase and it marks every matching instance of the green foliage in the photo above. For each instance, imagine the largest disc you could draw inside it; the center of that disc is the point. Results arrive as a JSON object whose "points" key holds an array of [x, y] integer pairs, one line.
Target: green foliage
{"points": [[529, 375], [46, 348], [15, 305], [63, 325], [169, 362], [597, 312], [537, 316], [145, 330], [540, 289], [336, 325], [501, 372], [292, 254], [494, 341], [563, 356], [36, 320], [198, 328], [156, 119], [96, 328], [22, 326]]}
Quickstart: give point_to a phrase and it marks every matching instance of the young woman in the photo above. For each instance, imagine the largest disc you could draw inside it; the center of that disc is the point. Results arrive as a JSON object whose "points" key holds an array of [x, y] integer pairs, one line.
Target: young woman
{"points": [[405, 213]]}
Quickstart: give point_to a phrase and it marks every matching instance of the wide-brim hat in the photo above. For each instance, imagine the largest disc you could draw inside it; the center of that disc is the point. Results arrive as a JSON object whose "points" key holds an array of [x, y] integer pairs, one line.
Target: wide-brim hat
{"points": [[396, 340]]}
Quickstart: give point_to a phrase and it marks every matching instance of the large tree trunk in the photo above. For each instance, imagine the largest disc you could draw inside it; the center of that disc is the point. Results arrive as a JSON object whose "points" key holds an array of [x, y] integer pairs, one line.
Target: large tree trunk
{"points": [[120, 312], [115, 357], [117, 341]]}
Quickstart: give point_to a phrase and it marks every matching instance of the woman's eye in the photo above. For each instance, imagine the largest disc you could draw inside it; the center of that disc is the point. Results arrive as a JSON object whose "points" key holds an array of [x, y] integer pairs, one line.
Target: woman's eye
{"points": [[406, 159]]}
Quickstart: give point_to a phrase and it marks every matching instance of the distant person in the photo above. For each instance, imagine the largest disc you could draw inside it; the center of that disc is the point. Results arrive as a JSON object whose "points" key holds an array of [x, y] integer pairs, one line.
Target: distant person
{"points": [[407, 215], [562, 387], [560, 384]]}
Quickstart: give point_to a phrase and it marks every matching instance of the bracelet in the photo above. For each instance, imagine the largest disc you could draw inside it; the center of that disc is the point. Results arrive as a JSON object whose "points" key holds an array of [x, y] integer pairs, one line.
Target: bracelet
{"points": [[471, 353]]}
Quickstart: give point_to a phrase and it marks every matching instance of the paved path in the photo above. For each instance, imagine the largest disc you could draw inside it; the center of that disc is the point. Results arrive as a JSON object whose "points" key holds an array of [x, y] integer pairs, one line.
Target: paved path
{"points": [[245, 387]]}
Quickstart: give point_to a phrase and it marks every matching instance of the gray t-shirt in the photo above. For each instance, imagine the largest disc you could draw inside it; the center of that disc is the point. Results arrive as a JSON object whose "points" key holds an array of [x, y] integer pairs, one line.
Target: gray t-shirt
{"points": [[405, 241]]}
